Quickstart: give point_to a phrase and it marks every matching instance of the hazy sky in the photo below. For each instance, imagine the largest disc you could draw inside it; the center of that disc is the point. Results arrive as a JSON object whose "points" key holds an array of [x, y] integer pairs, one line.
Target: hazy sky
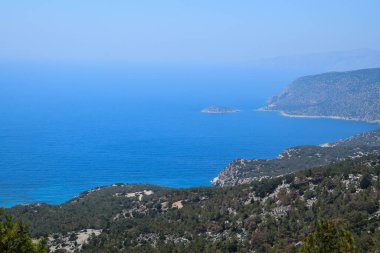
{"points": [[166, 31]]}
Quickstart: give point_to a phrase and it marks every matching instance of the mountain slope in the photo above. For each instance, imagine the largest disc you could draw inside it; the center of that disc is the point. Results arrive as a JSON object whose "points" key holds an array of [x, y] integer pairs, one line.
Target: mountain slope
{"points": [[353, 95], [299, 158], [270, 215], [371, 138]]}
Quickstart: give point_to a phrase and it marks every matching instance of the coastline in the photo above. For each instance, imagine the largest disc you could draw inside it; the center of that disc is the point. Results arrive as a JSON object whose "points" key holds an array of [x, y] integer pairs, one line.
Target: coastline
{"points": [[289, 115], [160, 183]]}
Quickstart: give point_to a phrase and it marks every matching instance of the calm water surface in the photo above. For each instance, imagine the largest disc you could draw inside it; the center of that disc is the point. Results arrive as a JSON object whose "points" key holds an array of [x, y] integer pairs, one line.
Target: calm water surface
{"points": [[65, 129]]}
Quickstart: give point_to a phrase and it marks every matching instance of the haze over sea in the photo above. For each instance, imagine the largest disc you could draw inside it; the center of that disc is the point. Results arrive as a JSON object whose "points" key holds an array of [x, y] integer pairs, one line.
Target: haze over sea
{"points": [[68, 128]]}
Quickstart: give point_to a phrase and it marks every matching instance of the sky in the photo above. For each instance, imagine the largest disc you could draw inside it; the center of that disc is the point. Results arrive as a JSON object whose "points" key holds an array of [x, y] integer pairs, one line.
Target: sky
{"points": [[183, 31]]}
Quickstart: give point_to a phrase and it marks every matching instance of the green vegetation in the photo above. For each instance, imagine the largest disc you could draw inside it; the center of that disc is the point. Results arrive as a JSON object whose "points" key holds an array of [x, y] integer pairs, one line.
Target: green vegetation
{"points": [[293, 159], [327, 237], [350, 95], [272, 215], [299, 158], [14, 238]]}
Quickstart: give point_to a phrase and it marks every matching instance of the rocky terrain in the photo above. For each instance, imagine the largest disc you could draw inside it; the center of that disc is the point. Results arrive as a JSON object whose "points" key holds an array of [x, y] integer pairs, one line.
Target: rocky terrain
{"points": [[272, 214], [264, 206], [299, 158], [351, 95], [371, 138]]}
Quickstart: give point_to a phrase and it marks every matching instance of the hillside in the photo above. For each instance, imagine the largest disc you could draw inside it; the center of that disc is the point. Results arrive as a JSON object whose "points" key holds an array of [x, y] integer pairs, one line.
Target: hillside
{"points": [[371, 138], [265, 206], [352, 95], [242, 171], [270, 215]]}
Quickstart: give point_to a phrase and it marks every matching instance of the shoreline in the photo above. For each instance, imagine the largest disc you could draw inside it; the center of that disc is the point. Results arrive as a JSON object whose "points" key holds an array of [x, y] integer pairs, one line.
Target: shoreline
{"points": [[211, 181], [13, 204], [289, 115]]}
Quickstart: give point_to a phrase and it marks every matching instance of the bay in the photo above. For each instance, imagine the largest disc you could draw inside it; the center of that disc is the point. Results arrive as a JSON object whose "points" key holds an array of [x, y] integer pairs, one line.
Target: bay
{"points": [[68, 128]]}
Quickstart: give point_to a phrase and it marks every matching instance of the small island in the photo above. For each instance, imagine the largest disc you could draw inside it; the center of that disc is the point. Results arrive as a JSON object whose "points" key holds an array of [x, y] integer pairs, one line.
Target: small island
{"points": [[219, 110]]}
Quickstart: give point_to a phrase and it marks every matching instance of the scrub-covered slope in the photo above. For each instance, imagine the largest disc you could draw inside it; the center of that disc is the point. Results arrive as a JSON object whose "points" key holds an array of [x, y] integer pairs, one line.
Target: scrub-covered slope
{"points": [[271, 215], [299, 158], [351, 95]]}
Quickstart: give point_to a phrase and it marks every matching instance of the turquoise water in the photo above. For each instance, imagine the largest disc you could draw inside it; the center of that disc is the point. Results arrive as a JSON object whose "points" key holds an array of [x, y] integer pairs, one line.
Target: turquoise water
{"points": [[65, 128]]}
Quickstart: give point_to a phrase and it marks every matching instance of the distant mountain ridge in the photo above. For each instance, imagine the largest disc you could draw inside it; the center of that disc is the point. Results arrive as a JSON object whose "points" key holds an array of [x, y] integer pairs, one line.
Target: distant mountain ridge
{"points": [[324, 62], [351, 95]]}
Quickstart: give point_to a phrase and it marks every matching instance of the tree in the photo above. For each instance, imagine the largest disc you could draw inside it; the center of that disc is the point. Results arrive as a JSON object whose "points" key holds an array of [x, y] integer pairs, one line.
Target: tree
{"points": [[328, 238], [366, 181], [14, 237]]}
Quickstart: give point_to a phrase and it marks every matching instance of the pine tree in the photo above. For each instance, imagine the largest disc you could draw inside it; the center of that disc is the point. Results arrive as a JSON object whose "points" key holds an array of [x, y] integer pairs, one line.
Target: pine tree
{"points": [[328, 238], [14, 237]]}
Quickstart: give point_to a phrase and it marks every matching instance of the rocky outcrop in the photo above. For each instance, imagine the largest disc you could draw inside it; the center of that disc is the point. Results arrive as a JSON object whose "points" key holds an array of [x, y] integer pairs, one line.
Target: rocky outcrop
{"points": [[243, 171]]}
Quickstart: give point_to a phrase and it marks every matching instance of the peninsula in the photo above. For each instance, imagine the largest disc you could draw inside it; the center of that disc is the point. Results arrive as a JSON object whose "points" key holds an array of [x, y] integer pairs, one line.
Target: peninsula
{"points": [[350, 95]]}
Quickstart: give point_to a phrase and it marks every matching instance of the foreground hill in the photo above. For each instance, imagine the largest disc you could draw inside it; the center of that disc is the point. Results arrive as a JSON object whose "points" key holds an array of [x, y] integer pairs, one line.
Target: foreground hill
{"points": [[242, 171], [353, 95], [270, 215]]}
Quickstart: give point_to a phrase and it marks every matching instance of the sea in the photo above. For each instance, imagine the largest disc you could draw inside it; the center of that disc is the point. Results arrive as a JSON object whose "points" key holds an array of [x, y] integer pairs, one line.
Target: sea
{"points": [[66, 128]]}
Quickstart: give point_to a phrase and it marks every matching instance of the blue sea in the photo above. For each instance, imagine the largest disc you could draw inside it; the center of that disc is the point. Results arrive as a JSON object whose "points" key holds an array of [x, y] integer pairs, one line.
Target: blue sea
{"points": [[67, 128]]}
